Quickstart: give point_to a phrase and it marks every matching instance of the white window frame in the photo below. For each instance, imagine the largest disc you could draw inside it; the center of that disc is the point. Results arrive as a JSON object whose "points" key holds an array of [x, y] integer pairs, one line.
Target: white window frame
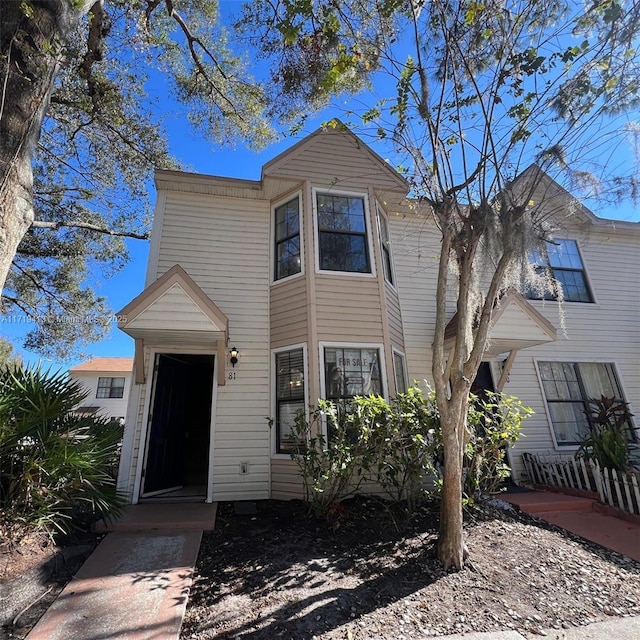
{"points": [[381, 214], [305, 363], [111, 387], [585, 272], [396, 352], [573, 360], [274, 259], [350, 345], [368, 232], [353, 345]]}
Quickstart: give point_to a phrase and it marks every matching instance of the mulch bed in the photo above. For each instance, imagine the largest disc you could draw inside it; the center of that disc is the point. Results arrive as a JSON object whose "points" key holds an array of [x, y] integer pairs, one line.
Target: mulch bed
{"points": [[33, 571], [372, 573]]}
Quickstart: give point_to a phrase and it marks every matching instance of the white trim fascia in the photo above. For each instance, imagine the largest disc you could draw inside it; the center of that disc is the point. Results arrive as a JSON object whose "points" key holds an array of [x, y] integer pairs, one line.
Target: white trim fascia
{"points": [[272, 394], [156, 236], [369, 226], [212, 429], [131, 422], [144, 427], [272, 243]]}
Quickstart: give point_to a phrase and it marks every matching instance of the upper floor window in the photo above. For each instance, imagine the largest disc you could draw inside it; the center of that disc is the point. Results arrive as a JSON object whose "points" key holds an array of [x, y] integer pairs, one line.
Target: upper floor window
{"points": [[568, 387], [565, 265], [350, 371], [110, 388], [342, 233], [287, 237], [385, 245], [290, 397]]}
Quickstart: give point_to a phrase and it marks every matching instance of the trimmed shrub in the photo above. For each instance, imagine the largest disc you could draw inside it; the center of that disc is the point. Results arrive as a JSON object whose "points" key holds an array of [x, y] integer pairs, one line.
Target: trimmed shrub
{"points": [[396, 445]]}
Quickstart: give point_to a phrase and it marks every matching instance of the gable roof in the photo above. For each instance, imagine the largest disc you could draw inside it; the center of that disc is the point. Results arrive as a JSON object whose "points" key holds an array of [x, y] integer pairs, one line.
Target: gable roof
{"points": [[549, 189], [515, 324], [333, 128], [153, 312], [115, 365]]}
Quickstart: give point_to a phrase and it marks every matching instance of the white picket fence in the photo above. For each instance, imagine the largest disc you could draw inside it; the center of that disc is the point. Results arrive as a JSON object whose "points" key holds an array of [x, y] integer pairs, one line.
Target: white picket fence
{"points": [[618, 490]]}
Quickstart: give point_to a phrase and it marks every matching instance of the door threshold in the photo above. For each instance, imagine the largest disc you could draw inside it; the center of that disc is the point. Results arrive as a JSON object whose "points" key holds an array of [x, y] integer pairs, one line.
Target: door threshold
{"points": [[189, 493]]}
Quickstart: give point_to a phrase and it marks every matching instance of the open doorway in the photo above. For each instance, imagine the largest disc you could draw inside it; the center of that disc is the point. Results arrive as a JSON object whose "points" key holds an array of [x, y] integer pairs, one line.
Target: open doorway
{"points": [[176, 463]]}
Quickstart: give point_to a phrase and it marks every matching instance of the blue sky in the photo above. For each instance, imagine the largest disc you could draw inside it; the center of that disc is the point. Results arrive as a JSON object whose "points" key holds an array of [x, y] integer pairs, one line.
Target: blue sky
{"points": [[193, 152]]}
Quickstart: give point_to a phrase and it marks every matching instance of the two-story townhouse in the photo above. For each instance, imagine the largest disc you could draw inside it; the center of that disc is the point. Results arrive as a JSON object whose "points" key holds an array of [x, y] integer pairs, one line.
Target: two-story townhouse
{"points": [[107, 382], [318, 281]]}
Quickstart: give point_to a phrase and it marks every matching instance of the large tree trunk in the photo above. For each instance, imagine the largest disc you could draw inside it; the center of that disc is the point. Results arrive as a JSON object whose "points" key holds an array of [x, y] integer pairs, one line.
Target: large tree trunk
{"points": [[452, 550], [32, 38]]}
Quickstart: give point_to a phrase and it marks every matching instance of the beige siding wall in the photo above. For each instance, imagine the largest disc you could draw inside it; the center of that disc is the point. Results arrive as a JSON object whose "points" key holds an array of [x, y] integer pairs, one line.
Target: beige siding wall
{"points": [[348, 308], [286, 483], [337, 161], [289, 312], [607, 331], [220, 242], [416, 251]]}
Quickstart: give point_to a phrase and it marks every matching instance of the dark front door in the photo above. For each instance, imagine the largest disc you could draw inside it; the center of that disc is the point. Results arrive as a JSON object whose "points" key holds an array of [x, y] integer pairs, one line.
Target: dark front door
{"points": [[163, 468]]}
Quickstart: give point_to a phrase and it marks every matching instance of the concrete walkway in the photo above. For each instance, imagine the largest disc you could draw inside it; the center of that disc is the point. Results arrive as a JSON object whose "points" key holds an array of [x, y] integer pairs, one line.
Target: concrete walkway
{"points": [[614, 629], [135, 585], [582, 517]]}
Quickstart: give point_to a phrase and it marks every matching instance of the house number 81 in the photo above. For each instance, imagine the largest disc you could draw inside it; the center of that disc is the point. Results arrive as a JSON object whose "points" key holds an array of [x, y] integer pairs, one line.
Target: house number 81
{"points": [[232, 375]]}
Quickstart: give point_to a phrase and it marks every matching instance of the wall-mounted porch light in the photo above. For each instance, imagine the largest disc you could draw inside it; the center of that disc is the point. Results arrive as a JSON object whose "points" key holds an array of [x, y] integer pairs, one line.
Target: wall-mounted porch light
{"points": [[233, 356]]}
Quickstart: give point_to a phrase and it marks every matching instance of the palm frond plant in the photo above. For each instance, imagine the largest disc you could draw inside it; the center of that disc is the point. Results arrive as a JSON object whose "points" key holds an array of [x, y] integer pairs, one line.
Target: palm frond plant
{"points": [[53, 461]]}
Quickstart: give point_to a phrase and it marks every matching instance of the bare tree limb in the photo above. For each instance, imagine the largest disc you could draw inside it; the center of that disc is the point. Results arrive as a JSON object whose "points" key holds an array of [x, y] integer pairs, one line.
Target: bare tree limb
{"points": [[43, 224]]}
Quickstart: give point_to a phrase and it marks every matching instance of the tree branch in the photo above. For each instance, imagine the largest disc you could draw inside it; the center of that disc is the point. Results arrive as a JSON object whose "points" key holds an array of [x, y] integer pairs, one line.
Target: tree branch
{"points": [[38, 285], [98, 30], [191, 42], [18, 304], [43, 224]]}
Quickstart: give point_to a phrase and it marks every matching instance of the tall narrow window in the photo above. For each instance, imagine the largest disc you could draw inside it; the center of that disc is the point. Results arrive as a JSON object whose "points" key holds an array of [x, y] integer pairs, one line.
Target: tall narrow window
{"points": [[342, 234], [565, 265], [400, 372], [110, 388], [385, 245], [287, 237], [568, 387], [289, 396], [351, 372]]}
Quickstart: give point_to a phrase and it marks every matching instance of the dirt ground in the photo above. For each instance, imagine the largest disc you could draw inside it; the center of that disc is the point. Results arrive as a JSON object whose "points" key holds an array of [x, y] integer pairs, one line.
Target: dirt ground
{"points": [[33, 571], [373, 574]]}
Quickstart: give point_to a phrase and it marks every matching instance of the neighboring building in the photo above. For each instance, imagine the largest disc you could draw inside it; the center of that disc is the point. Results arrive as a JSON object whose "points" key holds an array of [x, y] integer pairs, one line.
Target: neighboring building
{"points": [[319, 280], [107, 382]]}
